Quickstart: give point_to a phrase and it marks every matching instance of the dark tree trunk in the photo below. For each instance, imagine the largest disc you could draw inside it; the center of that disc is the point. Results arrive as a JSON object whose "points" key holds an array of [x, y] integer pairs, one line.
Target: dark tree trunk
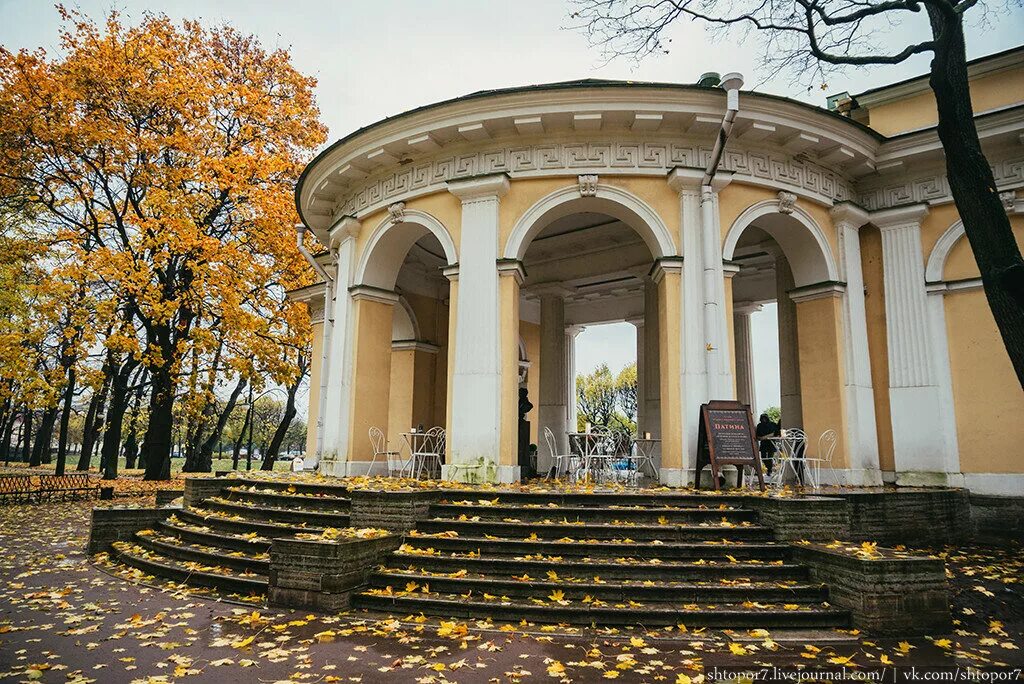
{"points": [[7, 430], [206, 451], [159, 433], [65, 419], [241, 435], [41, 448], [119, 395], [131, 444], [94, 418], [26, 431], [282, 428], [973, 186]]}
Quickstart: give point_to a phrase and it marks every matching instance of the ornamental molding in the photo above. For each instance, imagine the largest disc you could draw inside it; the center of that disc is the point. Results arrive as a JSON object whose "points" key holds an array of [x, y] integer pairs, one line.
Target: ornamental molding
{"points": [[800, 176], [787, 200], [588, 185], [396, 212]]}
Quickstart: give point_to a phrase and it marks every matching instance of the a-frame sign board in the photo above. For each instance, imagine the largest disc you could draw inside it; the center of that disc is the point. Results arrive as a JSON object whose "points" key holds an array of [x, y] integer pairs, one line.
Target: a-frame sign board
{"points": [[726, 437]]}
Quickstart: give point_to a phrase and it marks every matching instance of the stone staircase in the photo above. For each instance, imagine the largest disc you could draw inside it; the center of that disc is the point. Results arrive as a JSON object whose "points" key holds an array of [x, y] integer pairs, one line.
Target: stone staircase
{"points": [[605, 559], [601, 558], [224, 543]]}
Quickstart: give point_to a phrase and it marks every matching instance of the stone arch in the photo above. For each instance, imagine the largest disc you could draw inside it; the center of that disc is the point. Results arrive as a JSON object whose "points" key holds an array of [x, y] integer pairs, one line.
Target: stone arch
{"points": [[933, 272], [404, 325], [609, 200], [385, 251], [801, 238]]}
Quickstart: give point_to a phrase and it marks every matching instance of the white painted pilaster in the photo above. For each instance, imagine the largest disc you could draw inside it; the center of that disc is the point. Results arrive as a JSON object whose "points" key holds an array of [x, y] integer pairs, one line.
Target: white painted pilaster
{"points": [[862, 436], [337, 403], [641, 418], [571, 409], [716, 328], [553, 375], [923, 446], [476, 372]]}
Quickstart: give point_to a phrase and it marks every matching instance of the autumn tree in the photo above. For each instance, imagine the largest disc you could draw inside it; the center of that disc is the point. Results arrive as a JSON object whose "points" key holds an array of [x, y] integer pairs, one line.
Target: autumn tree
{"points": [[811, 38], [607, 400], [166, 155]]}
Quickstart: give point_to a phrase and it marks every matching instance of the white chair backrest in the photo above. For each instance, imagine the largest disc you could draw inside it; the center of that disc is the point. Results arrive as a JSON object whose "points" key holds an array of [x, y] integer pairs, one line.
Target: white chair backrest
{"points": [[377, 441], [827, 445], [549, 437], [434, 443]]}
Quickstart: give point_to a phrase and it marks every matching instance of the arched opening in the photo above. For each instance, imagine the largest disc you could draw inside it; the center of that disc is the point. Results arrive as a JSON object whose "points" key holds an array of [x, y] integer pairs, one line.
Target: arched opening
{"points": [[400, 335], [787, 321], [588, 262]]}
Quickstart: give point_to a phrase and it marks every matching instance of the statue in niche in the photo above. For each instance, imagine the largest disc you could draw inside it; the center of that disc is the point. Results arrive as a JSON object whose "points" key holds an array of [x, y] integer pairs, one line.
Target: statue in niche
{"points": [[523, 444]]}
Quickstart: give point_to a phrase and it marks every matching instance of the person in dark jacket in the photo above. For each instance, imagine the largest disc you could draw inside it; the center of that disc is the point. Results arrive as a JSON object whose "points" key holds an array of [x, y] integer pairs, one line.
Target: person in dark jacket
{"points": [[766, 427]]}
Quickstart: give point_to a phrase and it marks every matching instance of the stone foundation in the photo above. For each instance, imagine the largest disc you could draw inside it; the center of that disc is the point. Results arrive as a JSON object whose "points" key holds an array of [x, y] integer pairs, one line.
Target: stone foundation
{"points": [[323, 575], [909, 516], [120, 524], [809, 518], [392, 510], [199, 488], [166, 496], [897, 596], [998, 518]]}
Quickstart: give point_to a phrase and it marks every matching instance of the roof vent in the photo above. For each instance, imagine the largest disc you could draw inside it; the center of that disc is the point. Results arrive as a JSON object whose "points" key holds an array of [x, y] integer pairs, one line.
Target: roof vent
{"points": [[709, 79]]}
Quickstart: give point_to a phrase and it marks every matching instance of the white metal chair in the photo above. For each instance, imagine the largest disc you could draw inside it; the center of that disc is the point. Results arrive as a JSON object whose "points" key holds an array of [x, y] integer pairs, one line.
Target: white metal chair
{"points": [[794, 447], [559, 462], [826, 447], [430, 453], [380, 449]]}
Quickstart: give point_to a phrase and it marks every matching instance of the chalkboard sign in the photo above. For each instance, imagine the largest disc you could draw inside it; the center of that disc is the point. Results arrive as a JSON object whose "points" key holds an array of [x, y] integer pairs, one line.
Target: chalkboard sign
{"points": [[726, 437]]}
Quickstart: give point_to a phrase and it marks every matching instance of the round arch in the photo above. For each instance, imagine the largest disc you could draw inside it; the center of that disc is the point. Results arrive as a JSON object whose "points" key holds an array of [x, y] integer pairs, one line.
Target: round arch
{"points": [[404, 325], [802, 241], [608, 200], [933, 272], [385, 251]]}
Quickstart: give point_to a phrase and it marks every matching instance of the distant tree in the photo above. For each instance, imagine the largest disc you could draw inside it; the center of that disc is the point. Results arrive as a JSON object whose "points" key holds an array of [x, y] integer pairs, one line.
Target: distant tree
{"points": [[626, 391], [810, 38], [596, 398], [774, 412]]}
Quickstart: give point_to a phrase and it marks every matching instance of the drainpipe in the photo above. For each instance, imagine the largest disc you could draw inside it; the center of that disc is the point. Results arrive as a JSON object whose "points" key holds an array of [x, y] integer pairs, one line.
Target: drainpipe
{"points": [[711, 234], [300, 234]]}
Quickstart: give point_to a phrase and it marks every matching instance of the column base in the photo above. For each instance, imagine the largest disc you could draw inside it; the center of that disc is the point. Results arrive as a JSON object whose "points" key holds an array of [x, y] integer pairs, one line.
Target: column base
{"points": [[675, 477], [999, 484], [853, 477], [929, 479], [479, 473]]}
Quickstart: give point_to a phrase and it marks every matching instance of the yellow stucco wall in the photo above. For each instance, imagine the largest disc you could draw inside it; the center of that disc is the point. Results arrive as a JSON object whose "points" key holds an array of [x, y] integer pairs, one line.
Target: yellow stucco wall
{"points": [[878, 350], [315, 370], [400, 396], [822, 374], [669, 316], [370, 385], [988, 92], [508, 298]]}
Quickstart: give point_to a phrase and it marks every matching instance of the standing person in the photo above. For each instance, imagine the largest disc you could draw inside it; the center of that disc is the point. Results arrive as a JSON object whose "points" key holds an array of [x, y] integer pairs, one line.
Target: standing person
{"points": [[766, 428]]}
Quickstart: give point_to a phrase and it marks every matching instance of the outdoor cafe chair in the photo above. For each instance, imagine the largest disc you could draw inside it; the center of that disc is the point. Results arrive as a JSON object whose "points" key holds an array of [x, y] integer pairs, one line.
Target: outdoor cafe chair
{"points": [[430, 453], [560, 463], [379, 444], [823, 459]]}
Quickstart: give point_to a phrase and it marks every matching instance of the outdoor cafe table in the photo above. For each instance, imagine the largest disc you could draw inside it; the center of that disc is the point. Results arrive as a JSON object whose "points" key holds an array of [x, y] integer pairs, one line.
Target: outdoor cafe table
{"points": [[415, 442], [640, 455], [785, 457]]}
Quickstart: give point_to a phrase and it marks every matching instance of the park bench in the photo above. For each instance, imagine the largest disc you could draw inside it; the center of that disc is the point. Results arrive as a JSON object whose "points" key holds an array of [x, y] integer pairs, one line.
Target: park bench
{"points": [[65, 487], [17, 488]]}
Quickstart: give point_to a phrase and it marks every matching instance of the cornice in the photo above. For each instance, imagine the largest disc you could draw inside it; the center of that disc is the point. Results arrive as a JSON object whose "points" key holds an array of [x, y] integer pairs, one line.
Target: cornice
{"points": [[849, 213], [373, 294], [823, 290], [414, 345], [486, 186], [899, 216]]}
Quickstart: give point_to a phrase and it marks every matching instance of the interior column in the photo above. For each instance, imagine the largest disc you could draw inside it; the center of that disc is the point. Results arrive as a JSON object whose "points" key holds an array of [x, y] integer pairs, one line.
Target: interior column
{"points": [[651, 397], [553, 390], [745, 386], [571, 408], [676, 464], [789, 354], [641, 412]]}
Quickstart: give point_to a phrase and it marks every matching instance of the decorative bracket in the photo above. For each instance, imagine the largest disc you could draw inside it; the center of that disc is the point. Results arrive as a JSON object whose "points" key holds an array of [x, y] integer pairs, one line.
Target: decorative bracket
{"points": [[397, 212], [588, 185], [787, 200]]}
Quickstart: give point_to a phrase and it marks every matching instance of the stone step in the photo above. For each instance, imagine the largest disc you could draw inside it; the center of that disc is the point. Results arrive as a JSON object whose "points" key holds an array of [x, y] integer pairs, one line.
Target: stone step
{"points": [[203, 535], [601, 498], [596, 530], [179, 549], [258, 511], [240, 524], [492, 547], [281, 498], [734, 616], [606, 568], [611, 592], [608, 514], [191, 573], [325, 487]]}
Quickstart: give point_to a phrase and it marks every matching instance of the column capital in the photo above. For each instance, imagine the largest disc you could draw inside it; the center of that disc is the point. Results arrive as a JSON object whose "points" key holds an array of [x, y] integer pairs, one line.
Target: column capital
{"points": [[682, 178], [549, 290], [730, 268], [898, 217], [451, 272], [490, 186], [638, 321], [373, 294], [346, 227], [849, 214], [513, 268], [666, 265], [574, 330], [746, 308], [824, 290]]}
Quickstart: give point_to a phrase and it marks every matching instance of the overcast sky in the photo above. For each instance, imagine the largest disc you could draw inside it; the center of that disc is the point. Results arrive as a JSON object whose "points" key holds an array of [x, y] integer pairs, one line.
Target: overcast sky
{"points": [[376, 59]]}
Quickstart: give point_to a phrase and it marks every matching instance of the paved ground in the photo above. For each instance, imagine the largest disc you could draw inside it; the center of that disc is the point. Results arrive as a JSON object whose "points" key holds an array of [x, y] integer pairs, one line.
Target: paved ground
{"points": [[64, 619]]}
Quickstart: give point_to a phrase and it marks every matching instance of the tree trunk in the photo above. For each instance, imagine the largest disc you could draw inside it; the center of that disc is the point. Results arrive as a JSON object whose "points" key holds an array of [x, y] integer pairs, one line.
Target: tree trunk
{"points": [[131, 445], [282, 427], [974, 188], [241, 435], [7, 430], [206, 451], [41, 448], [119, 395], [65, 419], [157, 443], [94, 419], [26, 432]]}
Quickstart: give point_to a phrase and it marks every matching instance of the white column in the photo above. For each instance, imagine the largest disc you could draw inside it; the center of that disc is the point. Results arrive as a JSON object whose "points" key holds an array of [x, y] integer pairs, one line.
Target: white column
{"points": [[337, 402], [789, 352], [716, 328], [571, 408], [862, 436], [476, 372], [745, 386], [641, 418], [553, 387], [936, 300], [920, 422]]}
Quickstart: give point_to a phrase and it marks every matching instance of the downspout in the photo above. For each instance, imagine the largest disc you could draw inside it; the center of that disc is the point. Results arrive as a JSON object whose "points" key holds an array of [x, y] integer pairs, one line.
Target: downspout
{"points": [[300, 234], [711, 234]]}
